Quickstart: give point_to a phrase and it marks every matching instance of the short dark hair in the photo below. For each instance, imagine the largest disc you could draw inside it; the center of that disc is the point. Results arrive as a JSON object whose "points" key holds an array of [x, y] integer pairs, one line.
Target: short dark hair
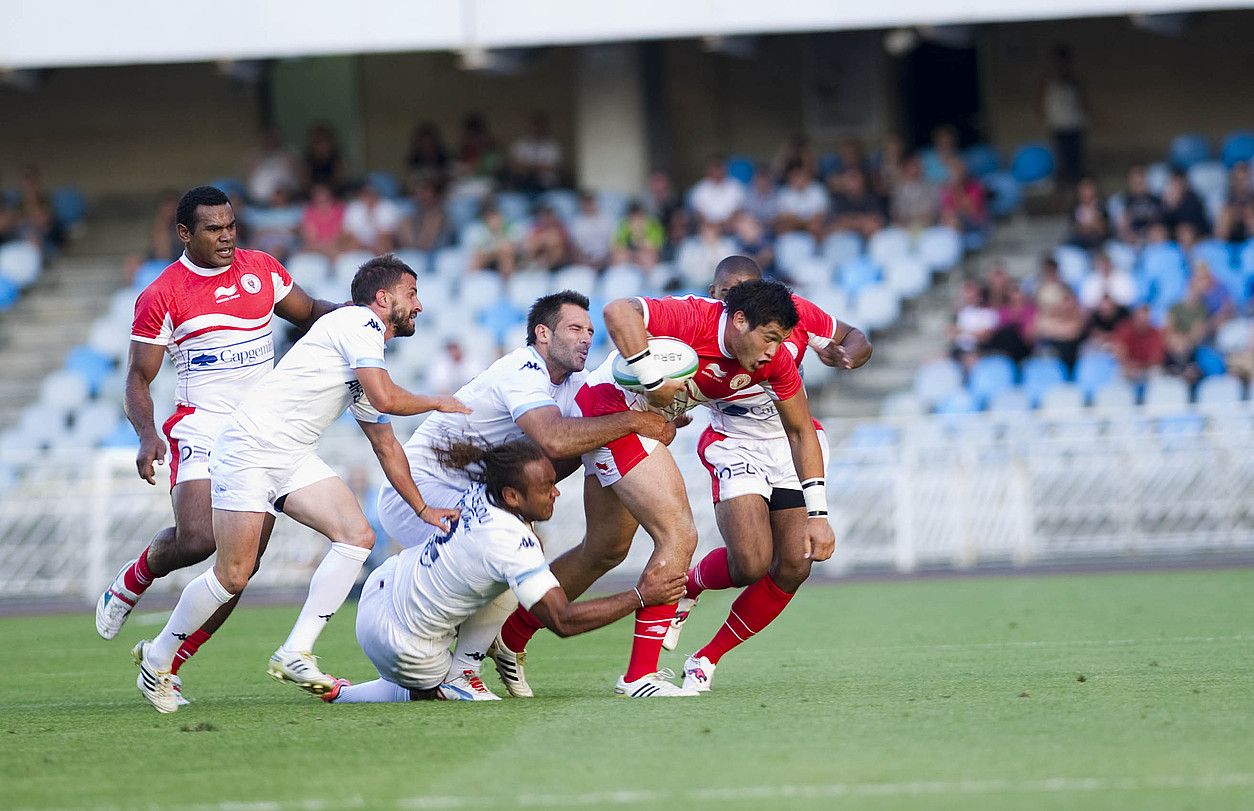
{"points": [[379, 273], [546, 309], [494, 466], [763, 303], [737, 265], [194, 199]]}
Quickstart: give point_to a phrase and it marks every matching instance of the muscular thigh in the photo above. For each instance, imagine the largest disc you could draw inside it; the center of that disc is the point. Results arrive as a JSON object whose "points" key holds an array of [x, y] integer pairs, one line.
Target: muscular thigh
{"points": [[329, 507], [746, 526], [653, 492]]}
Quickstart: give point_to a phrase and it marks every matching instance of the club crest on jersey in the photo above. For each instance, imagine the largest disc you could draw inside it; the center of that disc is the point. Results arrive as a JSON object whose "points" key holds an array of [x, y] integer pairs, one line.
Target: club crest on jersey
{"points": [[226, 293], [740, 381], [715, 371], [251, 283]]}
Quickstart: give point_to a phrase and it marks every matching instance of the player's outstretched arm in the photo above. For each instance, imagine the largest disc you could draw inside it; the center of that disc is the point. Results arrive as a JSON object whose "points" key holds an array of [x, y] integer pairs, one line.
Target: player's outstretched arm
{"points": [[849, 348], [624, 320], [564, 437], [389, 398], [302, 309], [396, 468], [807, 458], [564, 618], [142, 366]]}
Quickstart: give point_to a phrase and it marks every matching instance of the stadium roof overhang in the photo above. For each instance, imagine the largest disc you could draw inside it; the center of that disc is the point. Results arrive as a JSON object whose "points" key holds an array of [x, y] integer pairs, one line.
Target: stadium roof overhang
{"points": [[57, 33]]}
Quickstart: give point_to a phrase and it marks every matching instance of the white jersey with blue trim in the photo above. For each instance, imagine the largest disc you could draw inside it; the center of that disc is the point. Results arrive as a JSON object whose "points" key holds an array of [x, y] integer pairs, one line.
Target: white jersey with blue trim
{"points": [[442, 581], [294, 404], [515, 384]]}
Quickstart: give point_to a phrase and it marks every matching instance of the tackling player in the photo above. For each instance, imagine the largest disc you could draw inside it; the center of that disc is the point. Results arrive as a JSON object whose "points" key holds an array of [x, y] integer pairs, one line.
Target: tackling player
{"points": [[266, 458], [637, 482], [412, 605], [758, 500], [212, 312]]}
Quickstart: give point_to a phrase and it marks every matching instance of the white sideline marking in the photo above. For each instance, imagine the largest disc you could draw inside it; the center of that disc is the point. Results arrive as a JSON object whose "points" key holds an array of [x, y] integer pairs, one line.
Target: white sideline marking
{"points": [[1045, 785], [151, 618]]}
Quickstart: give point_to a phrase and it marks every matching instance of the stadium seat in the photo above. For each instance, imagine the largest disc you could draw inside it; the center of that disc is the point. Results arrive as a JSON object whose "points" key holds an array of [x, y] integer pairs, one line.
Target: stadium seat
{"points": [[989, 376], [147, 273], [1180, 425], [20, 262], [741, 168], [872, 435], [1062, 398], [1073, 263], [481, 289], [937, 379], [1234, 336], [525, 286], [982, 160], [1121, 255], [1094, 370], [92, 423], [1115, 394], [63, 390], [513, 205], [462, 209], [95, 367], [1009, 401], [1040, 374], [122, 436], [345, 266], [420, 261], [229, 186], [9, 293], [1166, 391], [939, 247], [1210, 180], [1156, 177], [876, 307], [1209, 362], [1237, 147], [888, 244], [452, 263], [1220, 390], [580, 278], [563, 201], [498, 317], [793, 248], [902, 404], [841, 246], [1187, 150], [833, 301], [613, 204], [907, 276], [621, 281], [812, 274], [858, 273], [69, 206], [308, 268], [1032, 163], [20, 447], [1005, 194]]}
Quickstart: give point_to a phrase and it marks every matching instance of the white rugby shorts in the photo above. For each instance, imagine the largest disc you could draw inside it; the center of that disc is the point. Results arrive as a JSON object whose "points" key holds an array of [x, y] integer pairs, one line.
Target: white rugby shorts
{"points": [[750, 467], [191, 432], [249, 480], [400, 656]]}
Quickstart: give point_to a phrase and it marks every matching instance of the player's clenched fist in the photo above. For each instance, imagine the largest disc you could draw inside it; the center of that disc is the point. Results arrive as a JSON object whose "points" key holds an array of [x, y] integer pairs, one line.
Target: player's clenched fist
{"points": [[820, 539], [658, 586], [439, 517], [151, 452], [664, 394]]}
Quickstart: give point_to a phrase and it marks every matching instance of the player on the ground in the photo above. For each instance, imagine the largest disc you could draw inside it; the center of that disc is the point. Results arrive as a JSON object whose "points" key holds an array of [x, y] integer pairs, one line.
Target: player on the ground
{"points": [[758, 499], [637, 483], [266, 458], [528, 392], [212, 312], [412, 605]]}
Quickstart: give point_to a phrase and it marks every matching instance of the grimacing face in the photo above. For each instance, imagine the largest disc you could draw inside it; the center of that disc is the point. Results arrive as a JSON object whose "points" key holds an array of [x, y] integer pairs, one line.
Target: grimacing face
{"points": [[405, 307], [570, 339], [210, 242], [535, 499], [755, 347]]}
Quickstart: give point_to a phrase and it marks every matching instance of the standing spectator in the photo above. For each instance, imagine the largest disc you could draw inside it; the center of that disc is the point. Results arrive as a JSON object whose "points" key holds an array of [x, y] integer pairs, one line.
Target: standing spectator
{"points": [[698, 255], [1060, 328], [535, 160], [427, 158], [322, 225], [855, 205], [662, 199], [1141, 207], [1105, 280], [1065, 110], [371, 222], [802, 203], [495, 243], [1230, 225], [1181, 205], [1139, 345], [36, 219], [452, 369], [591, 232], [963, 201], [762, 198], [478, 156], [323, 161], [639, 239], [750, 239], [271, 167], [1089, 226], [717, 196], [548, 245], [915, 202], [678, 229], [936, 160], [426, 228]]}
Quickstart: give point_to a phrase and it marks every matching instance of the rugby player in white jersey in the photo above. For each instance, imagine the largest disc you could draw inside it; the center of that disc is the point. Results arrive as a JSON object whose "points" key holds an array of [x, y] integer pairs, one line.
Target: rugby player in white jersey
{"points": [[528, 392], [412, 605], [212, 312], [758, 500], [266, 459]]}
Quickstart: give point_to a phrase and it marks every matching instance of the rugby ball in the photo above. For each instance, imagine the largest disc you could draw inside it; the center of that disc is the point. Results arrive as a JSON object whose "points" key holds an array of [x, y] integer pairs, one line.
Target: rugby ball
{"points": [[677, 360]]}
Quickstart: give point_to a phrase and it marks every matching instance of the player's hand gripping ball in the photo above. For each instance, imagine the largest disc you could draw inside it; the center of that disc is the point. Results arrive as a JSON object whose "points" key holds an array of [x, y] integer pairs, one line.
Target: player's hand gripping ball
{"points": [[676, 360]]}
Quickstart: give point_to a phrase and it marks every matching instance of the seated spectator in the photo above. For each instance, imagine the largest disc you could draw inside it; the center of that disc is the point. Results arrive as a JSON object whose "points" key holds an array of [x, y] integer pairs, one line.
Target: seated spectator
{"points": [[1181, 205], [1213, 294], [1060, 328], [762, 198], [548, 245], [855, 205], [937, 159], [451, 369], [1187, 237], [1089, 227], [371, 222], [796, 149], [751, 239], [698, 256], [1104, 320], [36, 220], [323, 162], [591, 232], [963, 201], [270, 168], [1241, 361], [974, 323], [661, 199], [1105, 280], [639, 239], [1139, 345], [717, 196], [1188, 324], [849, 155], [678, 229], [322, 224], [1141, 207], [1230, 225], [915, 202], [495, 244], [1047, 289], [163, 242], [535, 160], [801, 203], [478, 155], [426, 228], [1015, 334], [1000, 287], [276, 228], [889, 165], [427, 159]]}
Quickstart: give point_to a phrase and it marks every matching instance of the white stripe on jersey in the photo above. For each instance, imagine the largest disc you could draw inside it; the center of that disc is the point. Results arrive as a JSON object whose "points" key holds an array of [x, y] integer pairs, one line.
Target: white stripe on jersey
{"points": [[219, 320]]}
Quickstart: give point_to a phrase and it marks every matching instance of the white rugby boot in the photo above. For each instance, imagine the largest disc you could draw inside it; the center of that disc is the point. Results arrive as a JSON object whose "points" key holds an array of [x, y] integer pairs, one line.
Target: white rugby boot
{"points": [[654, 685], [509, 666], [155, 685], [300, 668], [466, 687], [115, 605], [698, 674], [176, 683], [682, 610]]}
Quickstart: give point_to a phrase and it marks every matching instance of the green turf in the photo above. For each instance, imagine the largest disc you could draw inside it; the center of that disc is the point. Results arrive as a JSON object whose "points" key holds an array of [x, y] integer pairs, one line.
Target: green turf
{"points": [[1132, 691]]}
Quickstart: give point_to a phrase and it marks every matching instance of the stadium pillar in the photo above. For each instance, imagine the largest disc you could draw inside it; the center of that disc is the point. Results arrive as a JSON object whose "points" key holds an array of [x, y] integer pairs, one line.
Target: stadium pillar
{"points": [[611, 127]]}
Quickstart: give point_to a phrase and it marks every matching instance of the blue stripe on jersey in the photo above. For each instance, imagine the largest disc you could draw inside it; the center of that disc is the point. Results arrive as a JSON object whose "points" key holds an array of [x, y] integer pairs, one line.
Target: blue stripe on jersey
{"points": [[368, 363], [530, 573], [525, 407]]}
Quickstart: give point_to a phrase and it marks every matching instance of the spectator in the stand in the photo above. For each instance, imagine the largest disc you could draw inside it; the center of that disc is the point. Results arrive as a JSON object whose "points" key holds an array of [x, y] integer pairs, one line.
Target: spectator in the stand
{"points": [[8, 219], [37, 222], [276, 228], [1188, 325], [323, 162], [699, 255], [915, 202], [548, 245], [163, 242], [322, 224], [426, 227], [662, 199], [591, 232], [717, 196], [1139, 345], [678, 229], [1182, 205], [371, 222], [802, 202], [796, 149], [1000, 287], [1060, 328], [855, 205], [270, 168], [1048, 287], [751, 239], [535, 160], [762, 197], [451, 369], [974, 323], [849, 155], [963, 202], [1105, 280], [1104, 320], [639, 238], [1089, 226], [1230, 225], [1016, 327], [1213, 295], [1141, 207], [427, 158], [1240, 362], [495, 244], [944, 149], [1065, 110], [1187, 238], [890, 165], [478, 155]]}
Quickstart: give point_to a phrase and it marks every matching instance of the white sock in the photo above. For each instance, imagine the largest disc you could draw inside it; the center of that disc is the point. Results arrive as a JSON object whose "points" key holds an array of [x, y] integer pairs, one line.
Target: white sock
{"points": [[328, 589], [379, 691], [477, 632], [202, 597]]}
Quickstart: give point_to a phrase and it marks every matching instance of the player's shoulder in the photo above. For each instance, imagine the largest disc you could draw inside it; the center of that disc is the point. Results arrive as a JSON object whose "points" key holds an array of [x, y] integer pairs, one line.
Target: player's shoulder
{"points": [[523, 361], [248, 258], [351, 318], [809, 314]]}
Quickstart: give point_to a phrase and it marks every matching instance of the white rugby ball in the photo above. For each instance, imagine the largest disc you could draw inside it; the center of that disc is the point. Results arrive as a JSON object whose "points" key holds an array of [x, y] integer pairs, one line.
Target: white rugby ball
{"points": [[677, 360]]}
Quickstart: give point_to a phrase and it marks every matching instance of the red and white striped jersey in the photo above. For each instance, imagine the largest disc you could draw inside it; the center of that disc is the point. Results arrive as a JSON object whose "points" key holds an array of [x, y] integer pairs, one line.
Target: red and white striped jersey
{"points": [[216, 325]]}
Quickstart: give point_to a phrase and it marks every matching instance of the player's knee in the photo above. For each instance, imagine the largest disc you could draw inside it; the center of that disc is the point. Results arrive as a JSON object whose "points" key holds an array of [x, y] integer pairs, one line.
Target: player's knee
{"points": [[362, 536], [747, 566], [790, 572], [195, 544], [604, 558], [234, 578]]}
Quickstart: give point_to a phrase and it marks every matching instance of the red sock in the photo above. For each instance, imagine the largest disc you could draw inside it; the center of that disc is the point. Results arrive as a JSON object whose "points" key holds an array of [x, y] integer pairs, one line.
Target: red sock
{"points": [[652, 623], [137, 578], [189, 647], [713, 573], [752, 611], [519, 628]]}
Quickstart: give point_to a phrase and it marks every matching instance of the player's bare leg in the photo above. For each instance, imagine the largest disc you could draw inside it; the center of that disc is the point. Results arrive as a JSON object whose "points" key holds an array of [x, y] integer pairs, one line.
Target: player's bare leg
{"points": [[330, 508]]}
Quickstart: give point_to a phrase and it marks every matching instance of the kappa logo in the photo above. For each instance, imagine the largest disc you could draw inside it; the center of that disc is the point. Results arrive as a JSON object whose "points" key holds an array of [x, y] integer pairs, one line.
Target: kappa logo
{"points": [[374, 325], [715, 371], [527, 543], [182, 637], [531, 364], [226, 293], [326, 617]]}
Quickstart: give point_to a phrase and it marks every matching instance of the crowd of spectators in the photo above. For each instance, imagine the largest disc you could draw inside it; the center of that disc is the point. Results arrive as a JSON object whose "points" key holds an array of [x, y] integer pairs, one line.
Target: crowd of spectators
{"points": [[27, 214]]}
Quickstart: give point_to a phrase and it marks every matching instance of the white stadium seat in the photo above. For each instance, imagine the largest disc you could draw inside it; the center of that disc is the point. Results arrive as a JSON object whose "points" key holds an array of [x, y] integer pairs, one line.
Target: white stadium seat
{"points": [[622, 281], [308, 268], [907, 276], [841, 246], [1166, 391], [479, 290], [888, 245], [1115, 394], [63, 390], [1062, 398], [20, 262], [346, 265], [580, 278], [939, 247], [525, 286], [1219, 390], [877, 307]]}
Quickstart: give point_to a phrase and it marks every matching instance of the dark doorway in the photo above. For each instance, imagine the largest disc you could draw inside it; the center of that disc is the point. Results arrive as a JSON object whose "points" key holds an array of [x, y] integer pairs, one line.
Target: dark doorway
{"points": [[940, 85]]}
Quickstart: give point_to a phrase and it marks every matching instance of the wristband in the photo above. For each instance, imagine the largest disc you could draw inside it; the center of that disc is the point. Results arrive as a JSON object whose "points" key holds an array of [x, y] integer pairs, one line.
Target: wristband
{"points": [[423, 510], [638, 597], [814, 491], [646, 369]]}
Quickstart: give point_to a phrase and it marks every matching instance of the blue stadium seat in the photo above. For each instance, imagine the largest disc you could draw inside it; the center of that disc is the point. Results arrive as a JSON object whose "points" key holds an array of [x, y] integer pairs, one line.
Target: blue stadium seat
{"points": [[613, 204], [1115, 394], [957, 402], [123, 436], [1073, 263], [989, 376], [1163, 275], [68, 205], [513, 205], [148, 273], [385, 183], [1006, 193], [741, 168], [1064, 397], [982, 160], [937, 379], [793, 248], [1209, 361], [1189, 149], [1010, 401], [841, 246], [939, 246], [1095, 370], [462, 209], [1032, 163], [1040, 374], [229, 186], [858, 273], [1237, 147], [876, 307], [564, 201], [499, 317], [1122, 255], [888, 244], [94, 367], [20, 262], [872, 435], [9, 293]]}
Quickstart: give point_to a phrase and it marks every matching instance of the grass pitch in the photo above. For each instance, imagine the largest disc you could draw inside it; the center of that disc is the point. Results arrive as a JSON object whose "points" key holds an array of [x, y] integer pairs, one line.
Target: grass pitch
{"points": [[1129, 691]]}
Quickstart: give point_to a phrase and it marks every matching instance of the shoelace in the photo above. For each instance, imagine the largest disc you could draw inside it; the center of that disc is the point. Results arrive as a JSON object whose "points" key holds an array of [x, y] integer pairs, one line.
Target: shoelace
{"points": [[666, 673], [475, 682]]}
